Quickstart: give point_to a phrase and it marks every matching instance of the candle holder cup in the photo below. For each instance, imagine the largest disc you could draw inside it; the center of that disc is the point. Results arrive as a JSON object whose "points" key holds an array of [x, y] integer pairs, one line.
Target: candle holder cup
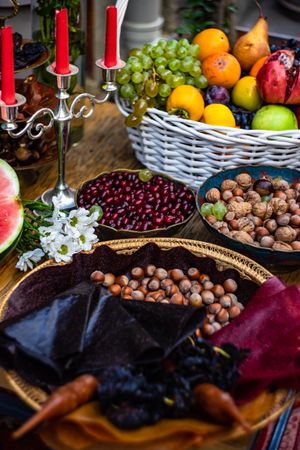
{"points": [[60, 118]]}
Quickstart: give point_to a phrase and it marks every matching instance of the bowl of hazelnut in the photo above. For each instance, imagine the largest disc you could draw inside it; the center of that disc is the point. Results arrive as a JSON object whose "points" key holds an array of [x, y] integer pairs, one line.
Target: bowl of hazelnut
{"points": [[137, 203], [255, 210]]}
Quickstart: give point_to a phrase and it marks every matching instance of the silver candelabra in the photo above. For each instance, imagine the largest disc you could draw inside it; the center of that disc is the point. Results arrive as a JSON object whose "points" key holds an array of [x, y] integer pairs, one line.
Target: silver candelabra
{"points": [[60, 118]]}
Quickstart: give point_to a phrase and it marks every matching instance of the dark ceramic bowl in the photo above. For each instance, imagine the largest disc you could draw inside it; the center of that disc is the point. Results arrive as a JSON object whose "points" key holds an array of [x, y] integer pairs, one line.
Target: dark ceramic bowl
{"points": [[274, 260], [107, 232]]}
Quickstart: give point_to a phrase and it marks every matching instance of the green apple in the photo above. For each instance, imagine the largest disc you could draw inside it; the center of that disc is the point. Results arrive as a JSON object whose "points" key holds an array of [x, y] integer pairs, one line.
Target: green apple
{"points": [[274, 118]]}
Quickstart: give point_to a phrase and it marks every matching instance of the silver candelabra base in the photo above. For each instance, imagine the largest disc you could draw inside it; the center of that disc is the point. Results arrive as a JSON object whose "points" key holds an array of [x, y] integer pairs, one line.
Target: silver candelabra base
{"points": [[60, 118]]}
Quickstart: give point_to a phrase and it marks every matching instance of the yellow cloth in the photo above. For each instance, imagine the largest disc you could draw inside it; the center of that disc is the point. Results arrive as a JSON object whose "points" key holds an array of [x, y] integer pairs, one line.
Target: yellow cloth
{"points": [[87, 429]]}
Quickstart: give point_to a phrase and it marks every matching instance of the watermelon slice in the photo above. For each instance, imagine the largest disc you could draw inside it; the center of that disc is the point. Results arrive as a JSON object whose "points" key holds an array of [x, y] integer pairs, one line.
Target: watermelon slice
{"points": [[11, 210]]}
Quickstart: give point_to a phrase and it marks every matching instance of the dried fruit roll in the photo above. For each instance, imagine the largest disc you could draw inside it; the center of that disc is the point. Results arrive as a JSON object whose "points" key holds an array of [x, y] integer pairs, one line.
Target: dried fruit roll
{"points": [[63, 400], [219, 405]]}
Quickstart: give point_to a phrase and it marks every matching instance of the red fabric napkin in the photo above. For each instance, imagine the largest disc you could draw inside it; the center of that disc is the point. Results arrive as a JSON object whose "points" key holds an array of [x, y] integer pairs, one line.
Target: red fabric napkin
{"points": [[269, 327]]}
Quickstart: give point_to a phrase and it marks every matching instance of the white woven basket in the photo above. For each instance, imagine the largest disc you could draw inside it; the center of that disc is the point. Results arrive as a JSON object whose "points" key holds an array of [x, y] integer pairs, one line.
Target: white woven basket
{"points": [[191, 151]]}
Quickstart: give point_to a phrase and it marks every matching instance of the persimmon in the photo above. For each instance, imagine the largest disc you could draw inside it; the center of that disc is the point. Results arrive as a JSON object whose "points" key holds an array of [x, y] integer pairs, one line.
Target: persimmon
{"points": [[186, 101], [221, 69], [257, 66]]}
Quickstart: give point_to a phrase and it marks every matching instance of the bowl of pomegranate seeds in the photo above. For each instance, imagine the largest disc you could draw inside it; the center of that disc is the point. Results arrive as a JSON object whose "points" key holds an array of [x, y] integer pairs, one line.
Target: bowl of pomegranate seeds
{"points": [[138, 203]]}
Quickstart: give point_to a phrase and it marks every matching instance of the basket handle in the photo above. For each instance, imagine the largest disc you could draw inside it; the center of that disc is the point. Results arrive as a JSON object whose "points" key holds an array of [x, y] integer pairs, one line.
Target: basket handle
{"points": [[120, 106]]}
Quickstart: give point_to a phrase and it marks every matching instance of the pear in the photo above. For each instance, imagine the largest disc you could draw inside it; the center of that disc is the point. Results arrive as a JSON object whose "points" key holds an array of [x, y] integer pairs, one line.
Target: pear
{"points": [[254, 44]]}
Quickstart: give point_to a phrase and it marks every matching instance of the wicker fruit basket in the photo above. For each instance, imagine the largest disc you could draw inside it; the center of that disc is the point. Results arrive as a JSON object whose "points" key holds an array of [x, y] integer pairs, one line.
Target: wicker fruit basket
{"points": [[264, 409], [191, 151]]}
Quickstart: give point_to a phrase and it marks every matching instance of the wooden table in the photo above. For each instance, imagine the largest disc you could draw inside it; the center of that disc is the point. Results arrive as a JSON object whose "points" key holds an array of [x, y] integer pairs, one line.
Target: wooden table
{"points": [[105, 146]]}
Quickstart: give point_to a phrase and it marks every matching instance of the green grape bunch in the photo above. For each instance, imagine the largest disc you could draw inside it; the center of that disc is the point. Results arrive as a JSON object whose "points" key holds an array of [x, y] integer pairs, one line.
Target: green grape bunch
{"points": [[152, 72]]}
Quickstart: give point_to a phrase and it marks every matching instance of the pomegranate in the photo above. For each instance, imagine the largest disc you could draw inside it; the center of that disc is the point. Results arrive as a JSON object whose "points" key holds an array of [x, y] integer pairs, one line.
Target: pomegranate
{"points": [[278, 80]]}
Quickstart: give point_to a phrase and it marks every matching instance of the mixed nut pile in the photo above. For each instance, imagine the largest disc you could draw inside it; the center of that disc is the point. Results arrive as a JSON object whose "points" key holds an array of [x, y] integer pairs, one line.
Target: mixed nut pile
{"points": [[263, 212], [155, 284]]}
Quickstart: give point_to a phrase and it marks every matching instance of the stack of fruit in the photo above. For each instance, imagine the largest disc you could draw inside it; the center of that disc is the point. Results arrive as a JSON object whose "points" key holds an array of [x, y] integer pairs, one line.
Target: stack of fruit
{"points": [[247, 88]]}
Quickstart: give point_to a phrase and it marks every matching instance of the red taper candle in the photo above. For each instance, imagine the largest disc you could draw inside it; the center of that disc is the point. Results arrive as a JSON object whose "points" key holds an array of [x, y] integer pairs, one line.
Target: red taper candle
{"points": [[7, 69], [62, 65], [110, 55]]}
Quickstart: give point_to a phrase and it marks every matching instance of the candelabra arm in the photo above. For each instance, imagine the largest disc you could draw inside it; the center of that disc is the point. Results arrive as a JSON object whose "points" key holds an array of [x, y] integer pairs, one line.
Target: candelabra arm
{"points": [[86, 110], [33, 129]]}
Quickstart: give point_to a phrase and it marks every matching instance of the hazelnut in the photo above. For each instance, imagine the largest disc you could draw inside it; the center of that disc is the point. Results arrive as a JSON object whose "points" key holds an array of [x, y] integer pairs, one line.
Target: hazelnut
{"points": [[196, 288], [166, 282], [196, 300], [233, 224], [291, 194], [233, 297], [176, 274], [158, 295], [137, 272], [261, 232], [224, 230], [278, 206], [295, 245], [216, 326], [142, 289], [185, 285], [270, 225], [225, 301], [243, 180], [137, 295], [208, 329], [115, 289], [285, 234], [204, 277], [229, 216], [208, 285], [238, 192], [122, 280], [256, 220], [283, 246], [234, 311], [295, 221], [165, 300], [207, 297], [252, 197], [226, 195], [161, 273], [213, 195], [222, 316], [150, 299], [242, 236], [97, 276], [296, 186], [280, 183], [171, 290], [267, 241], [177, 299], [219, 224], [280, 194], [126, 291], [230, 285], [145, 281], [293, 207], [283, 219], [228, 185], [214, 308], [237, 199], [245, 224], [240, 209], [297, 211], [109, 279], [150, 269], [193, 273], [154, 284], [263, 210], [211, 219], [134, 284], [218, 290]]}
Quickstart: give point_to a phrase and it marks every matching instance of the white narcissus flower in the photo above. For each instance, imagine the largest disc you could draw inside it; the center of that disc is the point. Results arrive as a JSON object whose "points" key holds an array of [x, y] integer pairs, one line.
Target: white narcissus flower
{"points": [[82, 218], [28, 259], [87, 239]]}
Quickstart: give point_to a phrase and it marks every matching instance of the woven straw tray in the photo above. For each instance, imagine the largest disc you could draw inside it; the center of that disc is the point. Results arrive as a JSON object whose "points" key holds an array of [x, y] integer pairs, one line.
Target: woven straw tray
{"points": [[256, 411]]}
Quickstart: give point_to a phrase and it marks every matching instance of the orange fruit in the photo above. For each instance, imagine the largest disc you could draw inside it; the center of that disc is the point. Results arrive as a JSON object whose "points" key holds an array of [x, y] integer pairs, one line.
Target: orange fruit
{"points": [[218, 114], [257, 66], [210, 41], [221, 69]]}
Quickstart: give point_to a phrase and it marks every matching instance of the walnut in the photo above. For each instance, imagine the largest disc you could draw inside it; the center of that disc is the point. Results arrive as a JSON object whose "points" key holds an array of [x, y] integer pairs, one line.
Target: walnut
{"points": [[242, 236], [228, 185], [213, 195], [239, 209], [243, 180], [263, 210], [278, 245], [279, 205], [253, 197], [291, 194], [219, 224], [280, 183], [245, 224], [285, 234]]}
